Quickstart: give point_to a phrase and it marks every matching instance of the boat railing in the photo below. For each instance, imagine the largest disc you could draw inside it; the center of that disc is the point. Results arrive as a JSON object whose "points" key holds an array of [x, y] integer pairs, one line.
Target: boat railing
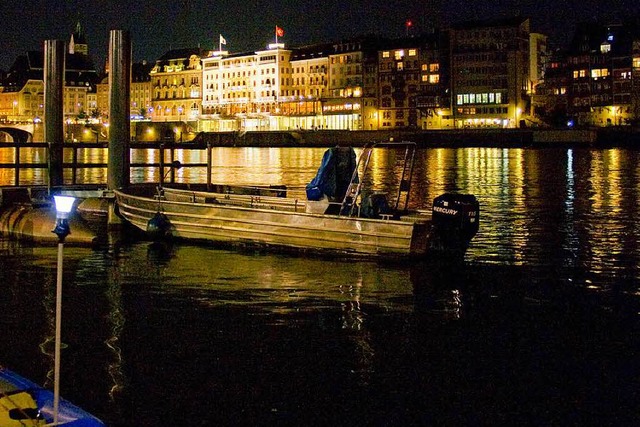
{"points": [[240, 200]]}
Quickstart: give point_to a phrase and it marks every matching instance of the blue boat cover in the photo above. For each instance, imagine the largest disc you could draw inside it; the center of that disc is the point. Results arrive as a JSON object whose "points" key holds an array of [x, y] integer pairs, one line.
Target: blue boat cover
{"points": [[27, 401], [334, 174]]}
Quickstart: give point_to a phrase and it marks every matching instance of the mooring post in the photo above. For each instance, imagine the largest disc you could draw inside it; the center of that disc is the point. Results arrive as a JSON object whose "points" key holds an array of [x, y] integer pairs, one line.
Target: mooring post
{"points": [[161, 159], [208, 165], [119, 110], [54, 57], [118, 174]]}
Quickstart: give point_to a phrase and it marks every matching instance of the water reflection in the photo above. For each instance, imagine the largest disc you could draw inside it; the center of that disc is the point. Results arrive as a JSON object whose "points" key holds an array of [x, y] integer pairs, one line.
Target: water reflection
{"points": [[571, 209]]}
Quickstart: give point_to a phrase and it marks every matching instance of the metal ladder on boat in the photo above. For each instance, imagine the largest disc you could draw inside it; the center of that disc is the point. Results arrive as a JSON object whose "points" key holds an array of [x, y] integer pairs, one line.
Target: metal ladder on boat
{"points": [[355, 185], [404, 188], [354, 189]]}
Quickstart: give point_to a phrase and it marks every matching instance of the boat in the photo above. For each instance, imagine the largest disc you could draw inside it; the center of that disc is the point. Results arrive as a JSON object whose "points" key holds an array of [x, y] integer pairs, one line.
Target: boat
{"points": [[339, 216], [24, 403]]}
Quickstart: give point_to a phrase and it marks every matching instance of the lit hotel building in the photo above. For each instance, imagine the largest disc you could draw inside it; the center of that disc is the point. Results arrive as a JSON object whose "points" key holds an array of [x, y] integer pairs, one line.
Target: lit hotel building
{"points": [[244, 91], [306, 88], [176, 81]]}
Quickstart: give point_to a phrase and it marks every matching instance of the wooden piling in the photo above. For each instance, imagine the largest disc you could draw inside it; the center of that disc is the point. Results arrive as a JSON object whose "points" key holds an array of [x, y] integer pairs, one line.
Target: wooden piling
{"points": [[54, 54], [119, 115], [118, 175]]}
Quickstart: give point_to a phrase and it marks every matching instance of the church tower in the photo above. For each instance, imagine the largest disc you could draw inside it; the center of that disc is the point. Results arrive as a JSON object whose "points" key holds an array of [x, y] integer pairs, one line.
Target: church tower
{"points": [[78, 42]]}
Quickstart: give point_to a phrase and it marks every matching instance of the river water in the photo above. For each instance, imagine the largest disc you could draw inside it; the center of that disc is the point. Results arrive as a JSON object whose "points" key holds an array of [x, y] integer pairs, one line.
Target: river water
{"points": [[540, 326]]}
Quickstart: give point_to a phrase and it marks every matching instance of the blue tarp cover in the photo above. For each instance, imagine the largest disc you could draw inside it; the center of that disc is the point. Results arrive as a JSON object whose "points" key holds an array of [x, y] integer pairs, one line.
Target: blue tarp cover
{"points": [[334, 174]]}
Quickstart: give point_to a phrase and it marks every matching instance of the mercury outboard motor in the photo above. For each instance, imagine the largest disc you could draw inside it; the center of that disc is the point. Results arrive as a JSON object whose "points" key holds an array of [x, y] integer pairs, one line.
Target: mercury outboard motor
{"points": [[455, 219]]}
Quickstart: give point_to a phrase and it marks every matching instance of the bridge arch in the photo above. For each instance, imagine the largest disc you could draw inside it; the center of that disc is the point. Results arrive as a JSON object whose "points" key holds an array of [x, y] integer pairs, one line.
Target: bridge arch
{"points": [[17, 135]]}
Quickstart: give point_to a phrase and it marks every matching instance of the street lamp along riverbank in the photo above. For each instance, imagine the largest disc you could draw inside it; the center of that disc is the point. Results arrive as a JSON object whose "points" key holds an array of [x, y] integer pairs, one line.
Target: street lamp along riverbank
{"points": [[63, 204]]}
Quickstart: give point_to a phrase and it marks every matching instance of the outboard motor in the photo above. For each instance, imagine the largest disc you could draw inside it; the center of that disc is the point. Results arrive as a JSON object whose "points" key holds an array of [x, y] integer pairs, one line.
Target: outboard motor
{"points": [[455, 219]]}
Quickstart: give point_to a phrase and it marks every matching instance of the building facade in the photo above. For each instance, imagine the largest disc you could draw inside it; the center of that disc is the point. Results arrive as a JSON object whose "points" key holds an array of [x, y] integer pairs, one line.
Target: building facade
{"points": [[22, 94], [244, 91], [176, 81], [600, 64], [413, 84], [490, 72], [493, 73]]}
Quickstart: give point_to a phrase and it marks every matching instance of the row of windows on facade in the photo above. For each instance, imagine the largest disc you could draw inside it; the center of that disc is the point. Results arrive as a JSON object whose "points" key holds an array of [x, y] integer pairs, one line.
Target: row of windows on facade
{"points": [[482, 110], [285, 81], [239, 62], [346, 59], [475, 82], [494, 70], [399, 54], [481, 98], [597, 86], [491, 56], [597, 73], [494, 33], [412, 77], [415, 76], [194, 81], [601, 100], [173, 110], [590, 61], [317, 69], [433, 67], [490, 46], [317, 93]]}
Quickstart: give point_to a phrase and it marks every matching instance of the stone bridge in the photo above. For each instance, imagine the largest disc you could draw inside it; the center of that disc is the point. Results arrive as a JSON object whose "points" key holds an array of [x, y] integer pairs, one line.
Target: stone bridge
{"points": [[16, 132]]}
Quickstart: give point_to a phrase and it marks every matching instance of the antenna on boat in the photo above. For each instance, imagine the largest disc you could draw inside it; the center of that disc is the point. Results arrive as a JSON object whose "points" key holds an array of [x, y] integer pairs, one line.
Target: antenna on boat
{"points": [[174, 166]]}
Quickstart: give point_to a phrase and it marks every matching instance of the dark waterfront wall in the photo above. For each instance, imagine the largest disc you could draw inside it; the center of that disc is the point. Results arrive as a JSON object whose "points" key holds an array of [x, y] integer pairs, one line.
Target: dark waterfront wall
{"points": [[448, 138]]}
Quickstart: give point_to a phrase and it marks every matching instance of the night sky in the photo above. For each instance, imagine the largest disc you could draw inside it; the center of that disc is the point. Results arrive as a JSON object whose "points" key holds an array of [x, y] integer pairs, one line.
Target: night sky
{"points": [[159, 25]]}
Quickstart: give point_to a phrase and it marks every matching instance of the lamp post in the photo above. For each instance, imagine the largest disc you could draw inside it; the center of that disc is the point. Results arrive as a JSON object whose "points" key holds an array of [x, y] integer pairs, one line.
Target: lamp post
{"points": [[62, 230]]}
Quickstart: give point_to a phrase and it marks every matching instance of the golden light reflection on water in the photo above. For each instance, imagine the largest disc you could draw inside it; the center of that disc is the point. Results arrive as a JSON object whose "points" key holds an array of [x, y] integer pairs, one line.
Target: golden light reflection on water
{"points": [[578, 204]]}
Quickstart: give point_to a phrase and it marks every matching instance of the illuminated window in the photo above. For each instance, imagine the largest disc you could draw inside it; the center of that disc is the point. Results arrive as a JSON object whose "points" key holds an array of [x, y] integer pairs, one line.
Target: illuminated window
{"points": [[583, 73], [434, 68], [412, 52], [498, 98], [576, 74], [459, 99], [425, 78], [399, 54], [424, 67], [385, 54], [636, 62], [605, 47], [434, 78]]}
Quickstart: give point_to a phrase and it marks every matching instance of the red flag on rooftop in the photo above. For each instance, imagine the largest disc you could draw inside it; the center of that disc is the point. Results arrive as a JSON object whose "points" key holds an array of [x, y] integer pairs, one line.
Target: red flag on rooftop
{"points": [[279, 32]]}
